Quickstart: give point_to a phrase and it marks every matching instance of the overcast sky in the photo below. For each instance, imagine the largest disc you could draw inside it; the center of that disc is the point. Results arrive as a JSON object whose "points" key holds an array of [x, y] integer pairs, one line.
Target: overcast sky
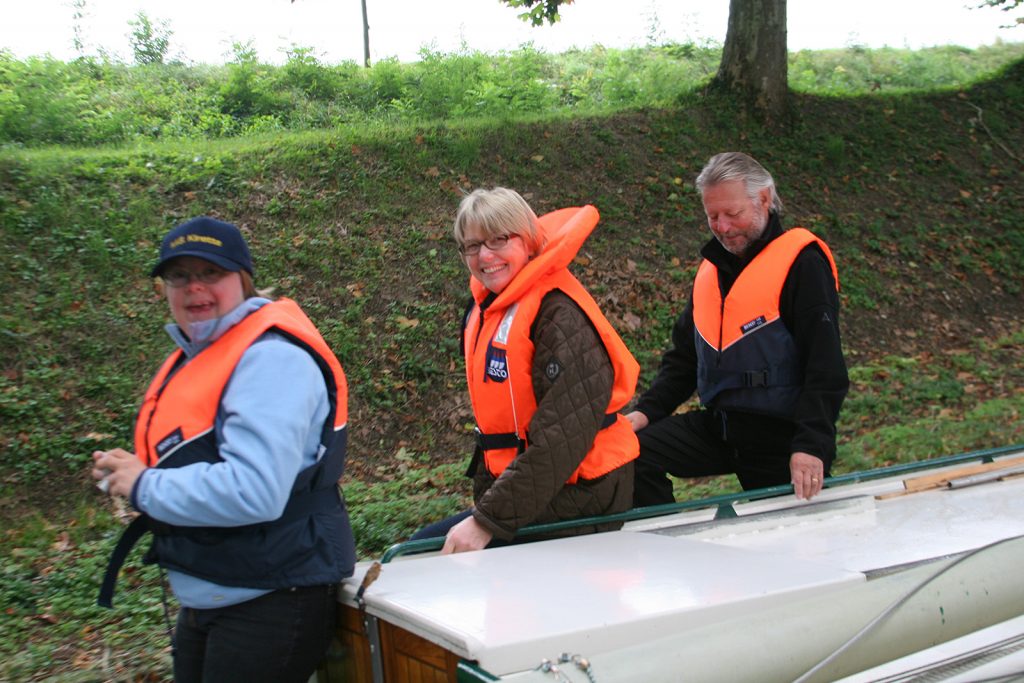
{"points": [[203, 30]]}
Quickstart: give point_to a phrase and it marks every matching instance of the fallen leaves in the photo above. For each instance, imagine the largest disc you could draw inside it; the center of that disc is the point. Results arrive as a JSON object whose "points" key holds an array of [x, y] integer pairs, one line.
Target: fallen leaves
{"points": [[97, 436], [62, 543], [632, 321]]}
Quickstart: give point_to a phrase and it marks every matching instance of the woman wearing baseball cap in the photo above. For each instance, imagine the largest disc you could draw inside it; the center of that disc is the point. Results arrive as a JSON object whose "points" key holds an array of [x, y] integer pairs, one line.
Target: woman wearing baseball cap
{"points": [[239, 445]]}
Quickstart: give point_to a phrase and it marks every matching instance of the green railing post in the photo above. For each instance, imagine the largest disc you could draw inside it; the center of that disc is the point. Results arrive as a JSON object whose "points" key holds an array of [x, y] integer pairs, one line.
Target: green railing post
{"points": [[725, 511]]}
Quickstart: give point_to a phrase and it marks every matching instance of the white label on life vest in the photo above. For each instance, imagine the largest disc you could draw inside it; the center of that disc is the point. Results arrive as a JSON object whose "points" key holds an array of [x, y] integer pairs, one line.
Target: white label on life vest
{"points": [[501, 336]]}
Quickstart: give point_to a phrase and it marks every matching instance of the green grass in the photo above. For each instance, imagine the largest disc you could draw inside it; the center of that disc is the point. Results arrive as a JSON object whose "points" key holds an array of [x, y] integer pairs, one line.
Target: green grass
{"points": [[50, 573]]}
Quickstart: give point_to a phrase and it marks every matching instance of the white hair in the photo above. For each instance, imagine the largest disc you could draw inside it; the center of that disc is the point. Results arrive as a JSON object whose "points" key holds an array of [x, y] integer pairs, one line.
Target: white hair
{"points": [[739, 166]]}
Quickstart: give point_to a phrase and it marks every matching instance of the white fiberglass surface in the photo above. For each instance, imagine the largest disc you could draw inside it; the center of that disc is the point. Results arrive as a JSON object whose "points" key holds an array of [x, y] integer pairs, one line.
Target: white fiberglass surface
{"points": [[867, 533], [510, 607]]}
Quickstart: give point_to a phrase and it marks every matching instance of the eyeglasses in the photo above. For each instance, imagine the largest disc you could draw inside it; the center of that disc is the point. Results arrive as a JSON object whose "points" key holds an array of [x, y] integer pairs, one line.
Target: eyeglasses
{"points": [[493, 243], [179, 277]]}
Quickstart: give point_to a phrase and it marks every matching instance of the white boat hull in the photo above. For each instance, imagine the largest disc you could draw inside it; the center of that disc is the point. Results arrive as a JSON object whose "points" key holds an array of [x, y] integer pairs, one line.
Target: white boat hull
{"points": [[769, 596]]}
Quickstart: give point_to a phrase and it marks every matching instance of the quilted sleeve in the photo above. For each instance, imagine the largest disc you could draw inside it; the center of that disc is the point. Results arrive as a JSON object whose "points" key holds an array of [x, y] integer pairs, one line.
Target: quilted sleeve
{"points": [[572, 381]]}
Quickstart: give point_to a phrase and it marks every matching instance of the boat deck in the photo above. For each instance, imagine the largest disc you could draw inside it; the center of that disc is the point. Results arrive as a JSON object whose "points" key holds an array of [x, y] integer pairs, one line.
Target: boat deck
{"points": [[508, 608], [869, 527]]}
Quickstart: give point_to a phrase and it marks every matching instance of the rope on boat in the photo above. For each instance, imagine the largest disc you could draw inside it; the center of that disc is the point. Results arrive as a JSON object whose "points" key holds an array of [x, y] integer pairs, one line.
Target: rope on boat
{"points": [[371, 575], [581, 662]]}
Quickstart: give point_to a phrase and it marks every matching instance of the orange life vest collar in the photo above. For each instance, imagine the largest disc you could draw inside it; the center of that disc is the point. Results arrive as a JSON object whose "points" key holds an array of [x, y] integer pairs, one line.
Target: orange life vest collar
{"points": [[181, 402], [753, 300], [564, 231], [499, 351]]}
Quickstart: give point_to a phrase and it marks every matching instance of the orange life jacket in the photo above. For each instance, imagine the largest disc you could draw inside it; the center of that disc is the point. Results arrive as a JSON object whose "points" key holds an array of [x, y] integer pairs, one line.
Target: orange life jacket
{"points": [[311, 542], [188, 396], [746, 358], [499, 353]]}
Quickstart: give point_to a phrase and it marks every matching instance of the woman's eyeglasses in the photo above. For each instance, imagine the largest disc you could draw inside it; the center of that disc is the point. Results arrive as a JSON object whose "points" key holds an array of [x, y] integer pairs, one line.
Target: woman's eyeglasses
{"points": [[179, 277], [493, 243]]}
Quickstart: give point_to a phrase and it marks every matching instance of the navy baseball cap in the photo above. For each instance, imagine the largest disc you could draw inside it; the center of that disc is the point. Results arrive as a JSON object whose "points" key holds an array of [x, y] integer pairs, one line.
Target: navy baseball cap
{"points": [[209, 239]]}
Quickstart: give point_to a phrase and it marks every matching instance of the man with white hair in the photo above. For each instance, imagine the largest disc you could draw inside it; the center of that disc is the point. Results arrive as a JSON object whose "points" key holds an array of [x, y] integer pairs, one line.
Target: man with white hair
{"points": [[759, 342]]}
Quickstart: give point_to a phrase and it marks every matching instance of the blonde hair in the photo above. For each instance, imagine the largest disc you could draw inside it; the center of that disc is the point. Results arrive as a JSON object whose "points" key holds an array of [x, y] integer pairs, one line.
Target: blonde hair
{"points": [[496, 212]]}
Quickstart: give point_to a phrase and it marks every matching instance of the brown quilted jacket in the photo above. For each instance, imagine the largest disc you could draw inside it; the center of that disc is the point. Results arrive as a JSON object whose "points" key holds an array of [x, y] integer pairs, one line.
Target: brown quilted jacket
{"points": [[570, 408]]}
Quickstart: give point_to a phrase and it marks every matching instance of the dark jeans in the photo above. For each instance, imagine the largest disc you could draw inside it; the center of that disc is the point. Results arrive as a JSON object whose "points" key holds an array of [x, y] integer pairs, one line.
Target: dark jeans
{"points": [[275, 638], [441, 529], [702, 443]]}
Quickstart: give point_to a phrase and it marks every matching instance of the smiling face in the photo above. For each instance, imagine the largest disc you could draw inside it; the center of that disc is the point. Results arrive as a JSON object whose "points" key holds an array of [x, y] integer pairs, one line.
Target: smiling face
{"points": [[495, 268], [736, 220], [196, 301]]}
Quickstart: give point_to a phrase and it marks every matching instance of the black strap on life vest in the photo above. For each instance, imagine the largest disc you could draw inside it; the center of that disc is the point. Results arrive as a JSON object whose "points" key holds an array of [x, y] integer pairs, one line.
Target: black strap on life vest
{"points": [[131, 536], [490, 442], [774, 376], [487, 442], [321, 500]]}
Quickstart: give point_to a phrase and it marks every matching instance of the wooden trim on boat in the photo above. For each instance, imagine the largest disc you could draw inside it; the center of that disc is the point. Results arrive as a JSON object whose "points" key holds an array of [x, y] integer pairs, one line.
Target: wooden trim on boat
{"points": [[932, 481], [405, 656]]}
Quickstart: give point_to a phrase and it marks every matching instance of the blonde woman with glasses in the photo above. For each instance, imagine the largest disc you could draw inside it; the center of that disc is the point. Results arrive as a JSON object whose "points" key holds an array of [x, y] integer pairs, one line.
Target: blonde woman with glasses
{"points": [[547, 375]]}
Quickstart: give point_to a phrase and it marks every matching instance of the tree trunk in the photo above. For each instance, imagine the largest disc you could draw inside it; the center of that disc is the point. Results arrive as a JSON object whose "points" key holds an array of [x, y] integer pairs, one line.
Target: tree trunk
{"points": [[366, 37], [754, 56]]}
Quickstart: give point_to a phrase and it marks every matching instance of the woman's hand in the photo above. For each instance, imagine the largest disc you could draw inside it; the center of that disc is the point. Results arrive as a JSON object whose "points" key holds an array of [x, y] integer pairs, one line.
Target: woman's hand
{"points": [[119, 468], [465, 536]]}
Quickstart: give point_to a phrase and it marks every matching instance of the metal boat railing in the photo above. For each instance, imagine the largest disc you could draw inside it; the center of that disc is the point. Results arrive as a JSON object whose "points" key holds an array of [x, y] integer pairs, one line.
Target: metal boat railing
{"points": [[724, 503]]}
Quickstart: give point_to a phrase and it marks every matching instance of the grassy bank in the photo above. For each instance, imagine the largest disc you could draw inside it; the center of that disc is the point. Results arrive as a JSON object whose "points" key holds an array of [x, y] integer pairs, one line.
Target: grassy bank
{"points": [[919, 195]]}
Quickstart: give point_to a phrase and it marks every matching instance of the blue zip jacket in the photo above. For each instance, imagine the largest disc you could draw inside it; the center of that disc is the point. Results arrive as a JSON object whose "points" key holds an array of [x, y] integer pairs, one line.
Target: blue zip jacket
{"points": [[268, 429]]}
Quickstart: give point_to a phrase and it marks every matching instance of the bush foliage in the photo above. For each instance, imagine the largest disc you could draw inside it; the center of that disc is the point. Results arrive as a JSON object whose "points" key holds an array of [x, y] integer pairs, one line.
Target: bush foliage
{"points": [[97, 101]]}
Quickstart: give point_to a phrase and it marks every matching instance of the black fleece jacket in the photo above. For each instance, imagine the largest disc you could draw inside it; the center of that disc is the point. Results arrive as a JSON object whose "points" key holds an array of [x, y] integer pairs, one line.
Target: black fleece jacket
{"points": [[809, 307]]}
